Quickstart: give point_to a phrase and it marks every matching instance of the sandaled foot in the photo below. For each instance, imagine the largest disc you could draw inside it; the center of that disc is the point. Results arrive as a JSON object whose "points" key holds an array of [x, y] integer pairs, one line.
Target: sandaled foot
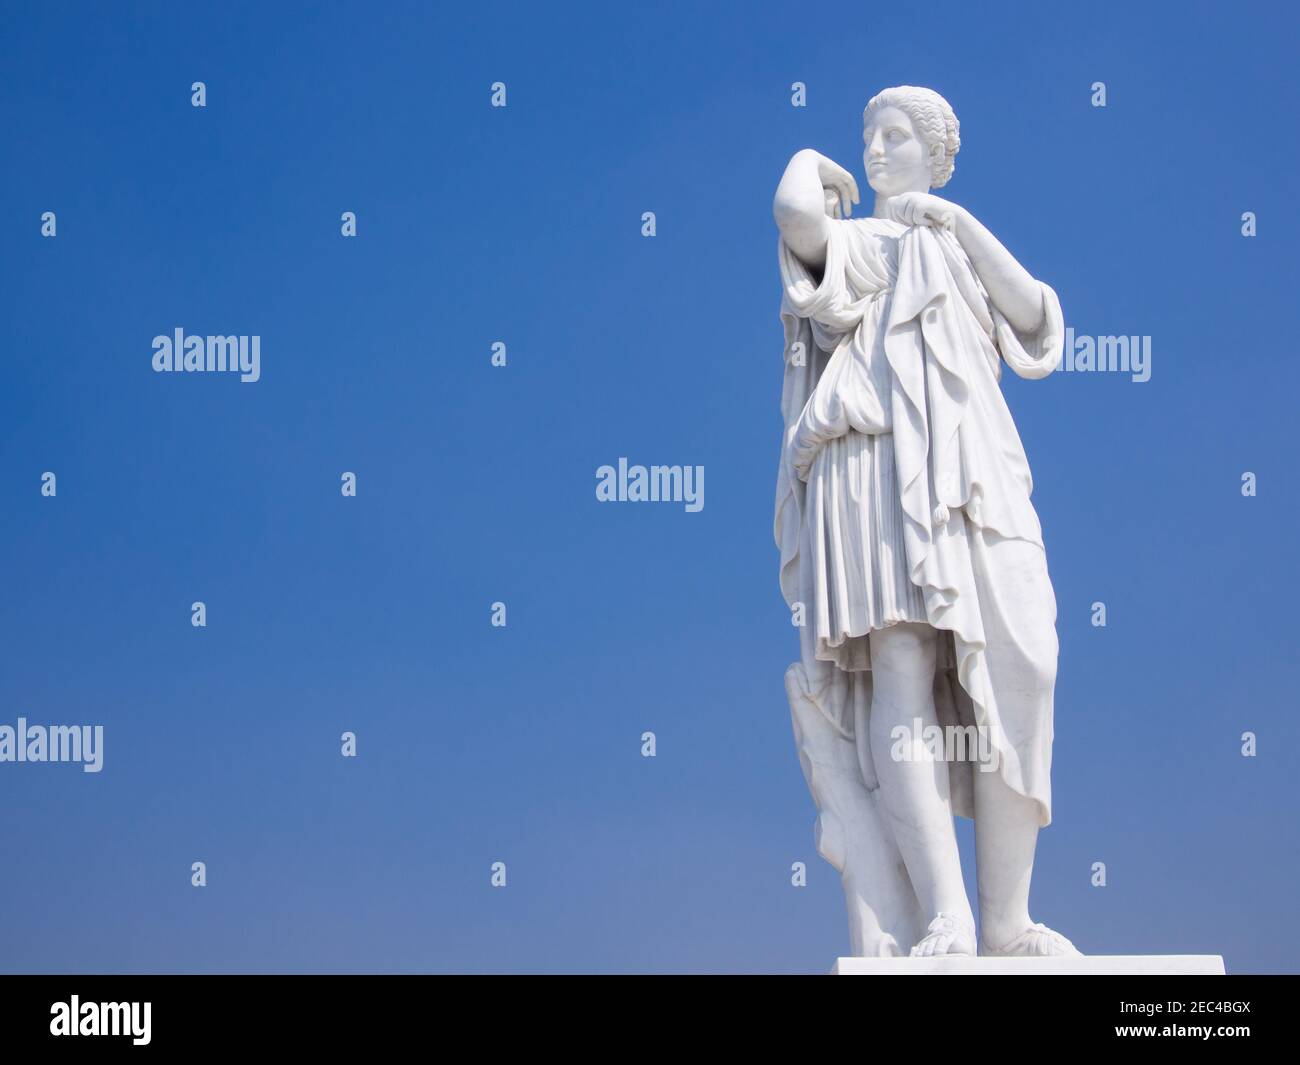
{"points": [[1036, 941], [946, 935]]}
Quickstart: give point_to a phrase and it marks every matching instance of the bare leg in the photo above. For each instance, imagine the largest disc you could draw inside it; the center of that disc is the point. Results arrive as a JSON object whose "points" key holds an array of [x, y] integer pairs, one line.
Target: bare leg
{"points": [[1006, 833], [915, 794]]}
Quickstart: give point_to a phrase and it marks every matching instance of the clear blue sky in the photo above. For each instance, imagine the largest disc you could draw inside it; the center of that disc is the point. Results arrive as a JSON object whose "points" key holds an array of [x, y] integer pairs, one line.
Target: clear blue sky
{"points": [[477, 484]]}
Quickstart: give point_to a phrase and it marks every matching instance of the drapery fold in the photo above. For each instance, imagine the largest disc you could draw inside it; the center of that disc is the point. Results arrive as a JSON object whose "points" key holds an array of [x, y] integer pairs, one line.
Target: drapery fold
{"points": [[913, 347]]}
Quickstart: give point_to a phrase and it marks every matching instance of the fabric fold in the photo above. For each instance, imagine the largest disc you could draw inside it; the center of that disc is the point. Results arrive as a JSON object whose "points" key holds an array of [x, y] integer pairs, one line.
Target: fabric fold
{"points": [[898, 340]]}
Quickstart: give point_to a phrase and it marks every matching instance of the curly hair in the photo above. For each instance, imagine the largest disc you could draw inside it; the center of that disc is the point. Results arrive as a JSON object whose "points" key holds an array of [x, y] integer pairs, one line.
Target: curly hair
{"points": [[934, 121]]}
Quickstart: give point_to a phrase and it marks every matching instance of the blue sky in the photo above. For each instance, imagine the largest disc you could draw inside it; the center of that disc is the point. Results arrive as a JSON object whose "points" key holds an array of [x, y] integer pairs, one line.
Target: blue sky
{"points": [[476, 484]]}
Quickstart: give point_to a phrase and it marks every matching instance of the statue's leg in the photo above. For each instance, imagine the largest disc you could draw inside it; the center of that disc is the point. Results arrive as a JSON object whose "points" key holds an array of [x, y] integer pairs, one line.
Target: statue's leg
{"points": [[915, 793], [1006, 833], [1007, 822]]}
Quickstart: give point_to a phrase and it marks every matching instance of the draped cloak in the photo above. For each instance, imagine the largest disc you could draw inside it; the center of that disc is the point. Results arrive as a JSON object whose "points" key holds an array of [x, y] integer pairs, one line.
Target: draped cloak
{"points": [[908, 343]]}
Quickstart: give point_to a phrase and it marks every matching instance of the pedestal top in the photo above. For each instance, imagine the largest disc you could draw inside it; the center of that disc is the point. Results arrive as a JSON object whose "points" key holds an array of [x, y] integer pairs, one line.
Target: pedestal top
{"points": [[1079, 965]]}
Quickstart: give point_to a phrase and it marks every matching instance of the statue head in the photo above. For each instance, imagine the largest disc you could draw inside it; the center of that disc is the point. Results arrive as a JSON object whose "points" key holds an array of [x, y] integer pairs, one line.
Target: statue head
{"points": [[911, 137]]}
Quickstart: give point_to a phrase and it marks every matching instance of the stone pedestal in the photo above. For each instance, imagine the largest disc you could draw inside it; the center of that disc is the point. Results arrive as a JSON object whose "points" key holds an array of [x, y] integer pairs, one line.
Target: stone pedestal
{"points": [[1094, 965]]}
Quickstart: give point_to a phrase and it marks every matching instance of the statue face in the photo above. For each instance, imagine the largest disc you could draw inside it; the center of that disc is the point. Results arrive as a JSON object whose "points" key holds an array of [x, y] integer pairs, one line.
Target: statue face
{"points": [[896, 159]]}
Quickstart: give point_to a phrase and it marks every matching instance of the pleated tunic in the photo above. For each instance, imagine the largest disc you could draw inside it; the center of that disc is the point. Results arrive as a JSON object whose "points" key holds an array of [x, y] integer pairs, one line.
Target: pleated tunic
{"points": [[903, 493]]}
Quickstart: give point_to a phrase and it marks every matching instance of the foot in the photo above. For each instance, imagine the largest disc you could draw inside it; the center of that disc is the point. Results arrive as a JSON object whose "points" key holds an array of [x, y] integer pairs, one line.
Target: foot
{"points": [[946, 935], [1036, 941]]}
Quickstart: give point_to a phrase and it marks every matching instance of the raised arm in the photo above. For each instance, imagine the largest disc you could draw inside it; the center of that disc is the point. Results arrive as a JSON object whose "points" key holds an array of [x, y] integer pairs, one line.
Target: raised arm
{"points": [[1010, 286], [800, 206]]}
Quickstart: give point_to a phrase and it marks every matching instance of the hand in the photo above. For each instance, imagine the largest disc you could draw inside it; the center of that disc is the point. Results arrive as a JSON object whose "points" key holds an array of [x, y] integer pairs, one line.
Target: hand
{"points": [[923, 209], [840, 188]]}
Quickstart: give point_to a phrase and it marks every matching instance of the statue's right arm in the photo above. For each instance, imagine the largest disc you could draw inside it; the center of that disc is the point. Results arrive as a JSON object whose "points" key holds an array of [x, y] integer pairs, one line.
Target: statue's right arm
{"points": [[800, 204]]}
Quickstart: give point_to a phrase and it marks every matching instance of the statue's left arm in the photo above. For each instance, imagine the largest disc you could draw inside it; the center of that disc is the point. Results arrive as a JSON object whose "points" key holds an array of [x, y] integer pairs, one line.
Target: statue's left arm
{"points": [[1011, 288]]}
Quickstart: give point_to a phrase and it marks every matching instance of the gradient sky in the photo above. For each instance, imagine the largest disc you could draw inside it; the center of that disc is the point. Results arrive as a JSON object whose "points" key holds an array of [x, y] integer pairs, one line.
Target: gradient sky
{"points": [[476, 484]]}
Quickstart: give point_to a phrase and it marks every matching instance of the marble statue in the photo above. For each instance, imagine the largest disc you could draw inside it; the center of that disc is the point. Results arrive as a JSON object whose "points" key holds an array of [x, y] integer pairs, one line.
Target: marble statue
{"points": [[911, 555]]}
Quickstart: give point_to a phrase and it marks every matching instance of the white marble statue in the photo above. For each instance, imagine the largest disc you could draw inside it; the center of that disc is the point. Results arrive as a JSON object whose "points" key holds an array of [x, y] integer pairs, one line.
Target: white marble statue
{"points": [[910, 552]]}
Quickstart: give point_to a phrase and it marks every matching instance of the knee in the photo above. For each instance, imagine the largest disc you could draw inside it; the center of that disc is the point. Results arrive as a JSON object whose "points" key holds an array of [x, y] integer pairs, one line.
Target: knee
{"points": [[904, 652]]}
